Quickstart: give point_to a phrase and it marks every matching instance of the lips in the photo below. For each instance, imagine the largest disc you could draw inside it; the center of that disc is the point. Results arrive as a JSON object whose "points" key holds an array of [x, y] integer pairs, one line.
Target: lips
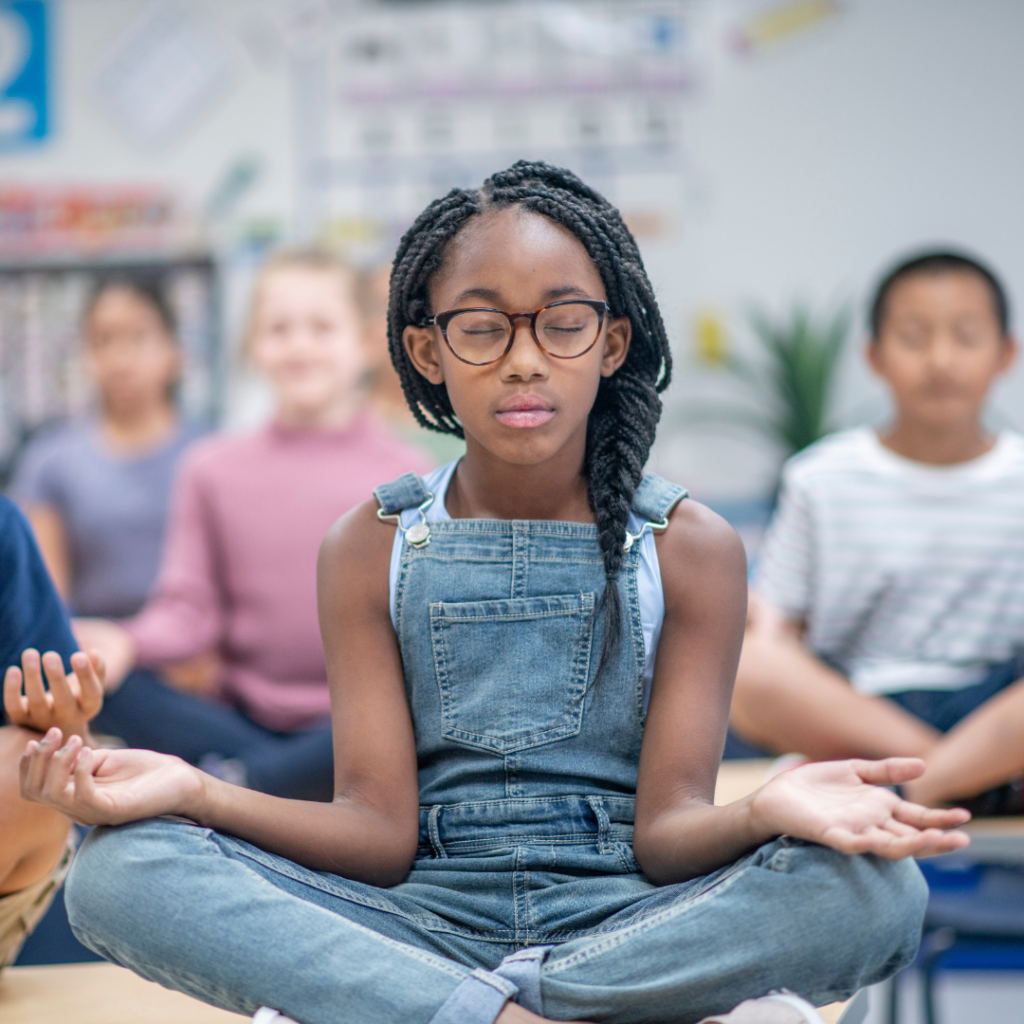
{"points": [[524, 411]]}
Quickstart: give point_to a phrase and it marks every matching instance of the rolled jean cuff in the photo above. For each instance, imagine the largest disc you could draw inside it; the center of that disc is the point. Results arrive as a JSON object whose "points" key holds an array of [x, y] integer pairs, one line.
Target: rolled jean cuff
{"points": [[478, 999]]}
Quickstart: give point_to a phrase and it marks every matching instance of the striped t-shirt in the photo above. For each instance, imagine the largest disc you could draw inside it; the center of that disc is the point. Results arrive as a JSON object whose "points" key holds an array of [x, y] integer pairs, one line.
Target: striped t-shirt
{"points": [[908, 576]]}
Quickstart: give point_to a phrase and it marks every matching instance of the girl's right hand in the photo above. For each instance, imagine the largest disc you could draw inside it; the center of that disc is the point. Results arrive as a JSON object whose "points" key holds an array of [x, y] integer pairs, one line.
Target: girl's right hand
{"points": [[107, 787]]}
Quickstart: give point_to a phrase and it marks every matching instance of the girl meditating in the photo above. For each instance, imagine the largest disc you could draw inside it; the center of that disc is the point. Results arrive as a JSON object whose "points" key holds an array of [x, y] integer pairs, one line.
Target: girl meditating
{"points": [[530, 654]]}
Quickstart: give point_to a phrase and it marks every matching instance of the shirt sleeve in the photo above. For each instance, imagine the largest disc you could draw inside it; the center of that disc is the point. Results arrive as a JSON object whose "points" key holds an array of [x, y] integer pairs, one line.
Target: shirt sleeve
{"points": [[34, 481], [31, 612], [783, 574], [184, 615]]}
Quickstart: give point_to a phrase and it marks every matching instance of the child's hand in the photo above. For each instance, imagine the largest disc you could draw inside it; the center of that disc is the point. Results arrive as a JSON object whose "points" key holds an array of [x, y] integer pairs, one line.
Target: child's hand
{"points": [[71, 701], [842, 804], [106, 787]]}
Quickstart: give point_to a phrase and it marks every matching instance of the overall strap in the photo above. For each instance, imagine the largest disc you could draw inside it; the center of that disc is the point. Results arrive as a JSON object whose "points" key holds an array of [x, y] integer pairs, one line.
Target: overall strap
{"points": [[408, 491], [655, 498]]}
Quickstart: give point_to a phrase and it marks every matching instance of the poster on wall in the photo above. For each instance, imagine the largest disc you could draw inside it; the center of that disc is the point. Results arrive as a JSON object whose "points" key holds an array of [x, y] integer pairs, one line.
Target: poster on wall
{"points": [[24, 73], [397, 106]]}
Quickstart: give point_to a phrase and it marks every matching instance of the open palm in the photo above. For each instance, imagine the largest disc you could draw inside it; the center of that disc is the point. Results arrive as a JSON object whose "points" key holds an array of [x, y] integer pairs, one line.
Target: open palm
{"points": [[843, 804]]}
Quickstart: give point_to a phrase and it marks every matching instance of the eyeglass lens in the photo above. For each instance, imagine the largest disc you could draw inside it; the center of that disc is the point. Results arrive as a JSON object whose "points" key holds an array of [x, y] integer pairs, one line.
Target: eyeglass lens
{"points": [[566, 330]]}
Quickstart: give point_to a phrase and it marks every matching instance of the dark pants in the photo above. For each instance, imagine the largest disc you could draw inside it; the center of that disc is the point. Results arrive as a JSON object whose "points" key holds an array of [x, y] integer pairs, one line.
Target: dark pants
{"points": [[146, 713], [943, 709]]}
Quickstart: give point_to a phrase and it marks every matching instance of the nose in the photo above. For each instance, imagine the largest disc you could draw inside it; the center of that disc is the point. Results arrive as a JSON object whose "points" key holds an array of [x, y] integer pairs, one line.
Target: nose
{"points": [[524, 360]]}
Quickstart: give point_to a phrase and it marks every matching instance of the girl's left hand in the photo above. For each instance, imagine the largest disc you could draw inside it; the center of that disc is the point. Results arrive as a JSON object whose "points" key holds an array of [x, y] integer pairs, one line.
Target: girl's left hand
{"points": [[842, 804], [107, 787]]}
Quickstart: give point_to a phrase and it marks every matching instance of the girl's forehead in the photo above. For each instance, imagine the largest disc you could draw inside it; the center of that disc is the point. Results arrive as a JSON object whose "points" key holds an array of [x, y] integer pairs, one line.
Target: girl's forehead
{"points": [[513, 248]]}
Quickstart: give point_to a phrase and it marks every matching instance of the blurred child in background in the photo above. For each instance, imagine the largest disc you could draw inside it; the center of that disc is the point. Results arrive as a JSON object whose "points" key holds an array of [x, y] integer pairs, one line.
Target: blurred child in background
{"points": [[887, 615], [238, 575], [96, 490]]}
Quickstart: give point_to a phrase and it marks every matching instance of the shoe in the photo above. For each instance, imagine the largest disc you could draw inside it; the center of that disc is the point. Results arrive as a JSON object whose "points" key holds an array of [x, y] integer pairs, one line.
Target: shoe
{"points": [[776, 1008], [265, 1015]]}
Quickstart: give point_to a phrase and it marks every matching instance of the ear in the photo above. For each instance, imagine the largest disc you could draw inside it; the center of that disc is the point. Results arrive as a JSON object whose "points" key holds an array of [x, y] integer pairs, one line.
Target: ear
{"points": [[874, 356], [616, 344], [421, 344], [1011, 349]]}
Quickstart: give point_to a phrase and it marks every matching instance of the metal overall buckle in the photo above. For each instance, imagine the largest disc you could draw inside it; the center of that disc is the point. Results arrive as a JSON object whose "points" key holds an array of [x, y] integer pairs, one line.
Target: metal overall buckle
{"points": [[655, 527], [418, 535]]}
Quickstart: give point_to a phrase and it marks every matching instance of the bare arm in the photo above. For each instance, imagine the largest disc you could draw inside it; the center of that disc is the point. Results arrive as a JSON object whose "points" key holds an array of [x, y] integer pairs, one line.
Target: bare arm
{"points": [[52, 539], [369, 832], [679, 832]]}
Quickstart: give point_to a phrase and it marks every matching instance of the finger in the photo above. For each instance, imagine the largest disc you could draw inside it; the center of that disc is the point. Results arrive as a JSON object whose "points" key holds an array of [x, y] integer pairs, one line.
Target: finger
{"points": [[930, 817], [898, 828], [85, 783], [58, 775], [950, 842], [926, 843], [35, 690], [90, 682], [889, 772], [99, 665], [15, 704], [64, 703], [36, 763], [845, 841]]}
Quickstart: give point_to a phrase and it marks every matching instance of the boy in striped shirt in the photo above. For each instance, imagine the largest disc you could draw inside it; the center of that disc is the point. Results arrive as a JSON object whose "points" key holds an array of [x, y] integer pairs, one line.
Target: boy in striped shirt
{"points": [[887, 607]]}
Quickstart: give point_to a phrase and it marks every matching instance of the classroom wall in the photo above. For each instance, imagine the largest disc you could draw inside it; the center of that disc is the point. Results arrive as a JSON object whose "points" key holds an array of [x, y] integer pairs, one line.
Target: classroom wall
{"points": [[894, 126], [807, 166]]}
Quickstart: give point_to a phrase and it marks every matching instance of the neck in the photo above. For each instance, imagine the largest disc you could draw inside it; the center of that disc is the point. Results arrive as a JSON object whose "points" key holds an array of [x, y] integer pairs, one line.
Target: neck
{"points": [[938, 446], [335, 415], [486, 487], [134, 428]]}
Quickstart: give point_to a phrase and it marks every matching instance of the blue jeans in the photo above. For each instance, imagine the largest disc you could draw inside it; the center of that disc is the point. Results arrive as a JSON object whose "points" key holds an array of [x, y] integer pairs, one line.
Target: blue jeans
{"points": [[567, 928]]}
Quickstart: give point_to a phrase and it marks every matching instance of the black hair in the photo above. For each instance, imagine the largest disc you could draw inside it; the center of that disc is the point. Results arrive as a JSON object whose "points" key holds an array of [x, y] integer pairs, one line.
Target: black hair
{"points": [[939, 262], [150, 288], [622, 422]]}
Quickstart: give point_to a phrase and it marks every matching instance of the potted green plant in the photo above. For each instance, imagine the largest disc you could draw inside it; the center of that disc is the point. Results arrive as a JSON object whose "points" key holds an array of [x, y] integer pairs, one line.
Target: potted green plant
{"points": [[791, 377]]}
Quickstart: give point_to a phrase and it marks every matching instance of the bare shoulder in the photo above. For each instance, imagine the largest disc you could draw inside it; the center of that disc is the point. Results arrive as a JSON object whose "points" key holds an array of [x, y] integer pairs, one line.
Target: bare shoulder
{"points": [[356, 550], [699, 541]]}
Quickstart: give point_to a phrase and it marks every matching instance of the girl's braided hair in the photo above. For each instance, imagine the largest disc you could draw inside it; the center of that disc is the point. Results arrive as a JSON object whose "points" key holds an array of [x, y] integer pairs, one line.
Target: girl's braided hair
{"points": [[622, 422]]}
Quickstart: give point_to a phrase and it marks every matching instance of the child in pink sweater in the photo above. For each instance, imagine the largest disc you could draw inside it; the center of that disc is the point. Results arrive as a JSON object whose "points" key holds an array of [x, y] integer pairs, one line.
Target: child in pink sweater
{"points": [[238, 576]]}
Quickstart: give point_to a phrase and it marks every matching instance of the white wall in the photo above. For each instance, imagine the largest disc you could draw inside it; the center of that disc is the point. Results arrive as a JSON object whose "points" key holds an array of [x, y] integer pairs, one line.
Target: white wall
{"points": [[895, 125]]}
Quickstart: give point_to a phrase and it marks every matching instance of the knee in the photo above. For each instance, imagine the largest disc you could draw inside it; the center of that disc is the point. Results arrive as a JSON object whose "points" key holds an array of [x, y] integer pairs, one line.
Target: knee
{"points": [[120, 877], [877, 908]]}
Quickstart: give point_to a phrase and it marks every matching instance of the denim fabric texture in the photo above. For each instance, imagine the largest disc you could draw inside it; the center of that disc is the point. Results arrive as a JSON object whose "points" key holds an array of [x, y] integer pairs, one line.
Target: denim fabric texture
{"points": [[524, 885]]}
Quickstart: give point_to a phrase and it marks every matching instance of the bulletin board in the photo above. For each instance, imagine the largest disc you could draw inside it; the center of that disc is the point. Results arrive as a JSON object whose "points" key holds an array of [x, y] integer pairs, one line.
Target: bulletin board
{"points": [[397, 104]]}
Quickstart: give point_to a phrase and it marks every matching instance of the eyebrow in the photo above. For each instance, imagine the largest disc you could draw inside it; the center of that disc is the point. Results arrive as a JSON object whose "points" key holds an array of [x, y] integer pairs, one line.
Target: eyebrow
{"points": [[490, 295]]}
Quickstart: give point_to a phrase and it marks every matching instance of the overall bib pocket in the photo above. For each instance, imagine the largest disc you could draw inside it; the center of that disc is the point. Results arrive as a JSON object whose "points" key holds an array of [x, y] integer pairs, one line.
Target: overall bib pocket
{"points": [[505, 686]]}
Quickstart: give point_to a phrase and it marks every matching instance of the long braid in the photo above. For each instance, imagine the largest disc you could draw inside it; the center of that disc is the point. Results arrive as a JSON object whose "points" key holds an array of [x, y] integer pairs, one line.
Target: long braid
{"points": [[622, 423]]}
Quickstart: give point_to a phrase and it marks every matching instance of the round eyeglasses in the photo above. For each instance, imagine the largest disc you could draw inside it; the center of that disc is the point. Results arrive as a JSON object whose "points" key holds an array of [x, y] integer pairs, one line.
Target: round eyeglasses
{"points": [[481, 335]]}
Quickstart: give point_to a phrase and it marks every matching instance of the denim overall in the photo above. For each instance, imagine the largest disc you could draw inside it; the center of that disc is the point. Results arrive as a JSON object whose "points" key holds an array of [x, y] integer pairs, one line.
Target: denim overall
{"points": [[524, 886]]}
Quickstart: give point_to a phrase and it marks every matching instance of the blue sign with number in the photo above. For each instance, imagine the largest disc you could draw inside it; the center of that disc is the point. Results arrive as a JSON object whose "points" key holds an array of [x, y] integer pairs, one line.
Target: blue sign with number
{"points": [[24, 73]]}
